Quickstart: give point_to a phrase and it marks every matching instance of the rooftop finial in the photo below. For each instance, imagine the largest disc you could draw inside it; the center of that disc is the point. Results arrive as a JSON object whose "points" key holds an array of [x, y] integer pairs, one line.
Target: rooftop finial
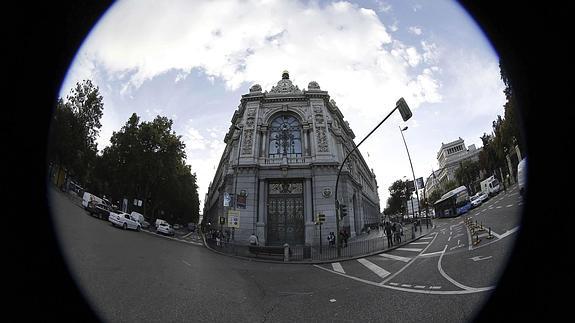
{"points": [[285, 75]]}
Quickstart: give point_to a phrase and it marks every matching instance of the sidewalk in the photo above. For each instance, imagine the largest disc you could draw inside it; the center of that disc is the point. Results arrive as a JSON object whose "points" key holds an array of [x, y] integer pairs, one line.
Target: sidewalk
{"points": [[370, 244]]}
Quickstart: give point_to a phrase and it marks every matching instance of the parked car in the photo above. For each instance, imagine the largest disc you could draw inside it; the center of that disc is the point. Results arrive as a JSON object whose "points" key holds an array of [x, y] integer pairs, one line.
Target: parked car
{"points": [[477, 199], [124, 220], [140, 218], [165, 228], [100, 210], [160, 221]]}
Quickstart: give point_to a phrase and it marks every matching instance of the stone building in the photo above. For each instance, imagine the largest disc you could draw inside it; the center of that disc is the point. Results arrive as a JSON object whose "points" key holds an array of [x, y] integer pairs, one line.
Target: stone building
{"points": [[283, 151], [449, 157]]}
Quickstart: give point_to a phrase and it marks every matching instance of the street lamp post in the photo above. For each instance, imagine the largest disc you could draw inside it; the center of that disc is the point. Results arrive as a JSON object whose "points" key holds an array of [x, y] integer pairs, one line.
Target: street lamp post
{"points": [[405, 115], [412, 172]]}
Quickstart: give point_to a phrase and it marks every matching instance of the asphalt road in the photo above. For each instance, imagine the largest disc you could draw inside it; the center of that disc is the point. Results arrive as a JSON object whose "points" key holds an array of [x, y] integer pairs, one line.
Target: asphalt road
{"points": [[138, 276]]}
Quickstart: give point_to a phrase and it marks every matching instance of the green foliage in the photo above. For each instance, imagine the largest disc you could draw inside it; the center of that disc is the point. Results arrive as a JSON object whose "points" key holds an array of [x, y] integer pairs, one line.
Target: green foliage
{"points": [[146, 161], [398, 196], [506, 133], [74, 130], [468, 174]]}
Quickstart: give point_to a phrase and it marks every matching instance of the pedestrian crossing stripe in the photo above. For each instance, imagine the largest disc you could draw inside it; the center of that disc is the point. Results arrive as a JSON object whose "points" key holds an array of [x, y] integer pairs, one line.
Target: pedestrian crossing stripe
{"points": [[394, 257], [423, 242], [374, 268], [409, 249], [337, 267]]}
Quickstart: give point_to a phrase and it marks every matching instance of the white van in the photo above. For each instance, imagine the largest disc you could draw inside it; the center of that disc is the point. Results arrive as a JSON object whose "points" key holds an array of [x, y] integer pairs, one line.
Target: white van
{"points": [[89, 197], [522, 175], [160, 221], [490, 186], [140, 218]]}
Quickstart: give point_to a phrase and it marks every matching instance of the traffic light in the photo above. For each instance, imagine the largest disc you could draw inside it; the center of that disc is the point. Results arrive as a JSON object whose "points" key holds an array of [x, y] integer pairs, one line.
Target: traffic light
{"points": [[343, 210], [403, 109], [222, 220], [320, 218]]}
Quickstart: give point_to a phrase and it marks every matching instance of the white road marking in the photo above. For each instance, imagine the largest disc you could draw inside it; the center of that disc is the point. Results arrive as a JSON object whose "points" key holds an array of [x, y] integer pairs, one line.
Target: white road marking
{"points": [[453, 281], [337, 267], [509, 205], [394, 257], [405, 285], [423, 242], [419, 286], [409, 249], [374, 268], [430, 254], [479, 258], [508, 232]]}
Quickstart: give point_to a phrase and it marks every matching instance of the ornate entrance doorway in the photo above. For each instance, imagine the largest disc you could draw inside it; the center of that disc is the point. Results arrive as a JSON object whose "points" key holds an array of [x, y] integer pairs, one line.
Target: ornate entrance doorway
{"points": [[285, 218]]}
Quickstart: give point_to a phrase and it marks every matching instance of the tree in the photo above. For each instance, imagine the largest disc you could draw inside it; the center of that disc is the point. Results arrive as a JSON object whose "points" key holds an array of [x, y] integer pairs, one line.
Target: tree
{"points": [[396, 202], [74, 130], [467, 174], [146, 161]]}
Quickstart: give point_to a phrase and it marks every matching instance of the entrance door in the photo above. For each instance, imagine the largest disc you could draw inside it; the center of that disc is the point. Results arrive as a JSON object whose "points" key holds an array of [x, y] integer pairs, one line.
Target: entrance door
{"points": [[285, 218]]}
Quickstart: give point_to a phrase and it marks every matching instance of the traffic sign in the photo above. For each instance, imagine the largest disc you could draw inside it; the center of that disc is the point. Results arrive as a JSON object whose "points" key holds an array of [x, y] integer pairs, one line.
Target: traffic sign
{"points": [[234, 219]]}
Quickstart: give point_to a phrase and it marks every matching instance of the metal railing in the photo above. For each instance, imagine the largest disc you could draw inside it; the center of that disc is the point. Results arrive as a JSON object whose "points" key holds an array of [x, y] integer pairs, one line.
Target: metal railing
{"points": [[305, 253]]}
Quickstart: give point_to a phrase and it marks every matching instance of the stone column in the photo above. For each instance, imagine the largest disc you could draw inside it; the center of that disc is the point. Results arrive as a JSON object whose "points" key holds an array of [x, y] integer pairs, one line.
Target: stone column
{"points": [[308, 211], [262, 211]]}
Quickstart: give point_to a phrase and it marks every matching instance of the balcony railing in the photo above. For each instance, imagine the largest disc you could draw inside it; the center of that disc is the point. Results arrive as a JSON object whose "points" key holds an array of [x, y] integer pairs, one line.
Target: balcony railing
{"points": [[289, 158]]}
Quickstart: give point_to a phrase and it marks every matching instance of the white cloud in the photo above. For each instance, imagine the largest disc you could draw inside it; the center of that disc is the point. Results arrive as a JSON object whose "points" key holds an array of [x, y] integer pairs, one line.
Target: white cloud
{"points": [[415, 30], [348, 50]]}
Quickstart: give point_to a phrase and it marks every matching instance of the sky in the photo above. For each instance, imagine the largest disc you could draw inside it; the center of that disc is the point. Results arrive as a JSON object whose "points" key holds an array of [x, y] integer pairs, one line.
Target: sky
{"points": [[192, 60]]}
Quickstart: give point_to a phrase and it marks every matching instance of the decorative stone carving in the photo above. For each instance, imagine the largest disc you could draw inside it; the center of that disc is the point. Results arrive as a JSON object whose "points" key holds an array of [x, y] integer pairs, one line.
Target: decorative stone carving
{"points": [[313, 86], [286, 188], [321, 139], [255, 88], [248, 142], [250, 122], [317, 108], [285, 86]]}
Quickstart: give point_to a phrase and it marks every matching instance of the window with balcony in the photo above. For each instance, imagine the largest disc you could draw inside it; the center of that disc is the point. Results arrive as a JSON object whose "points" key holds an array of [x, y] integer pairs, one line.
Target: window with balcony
{"points": [[285, 138]]}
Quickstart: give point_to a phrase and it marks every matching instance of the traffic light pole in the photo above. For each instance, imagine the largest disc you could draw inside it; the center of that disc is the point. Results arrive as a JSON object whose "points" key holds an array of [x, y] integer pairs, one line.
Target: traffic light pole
{"points": [[405, 114]]}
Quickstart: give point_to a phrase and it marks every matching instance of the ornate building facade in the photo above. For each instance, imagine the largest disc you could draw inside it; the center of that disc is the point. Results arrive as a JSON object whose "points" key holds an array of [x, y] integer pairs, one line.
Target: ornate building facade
{"points": [[278, 170], [449, 158]]}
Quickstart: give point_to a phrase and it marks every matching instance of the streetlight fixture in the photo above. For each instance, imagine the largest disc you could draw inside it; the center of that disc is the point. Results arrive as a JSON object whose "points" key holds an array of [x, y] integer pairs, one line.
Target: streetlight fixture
{"points": [[412, 172], [405, 115]]}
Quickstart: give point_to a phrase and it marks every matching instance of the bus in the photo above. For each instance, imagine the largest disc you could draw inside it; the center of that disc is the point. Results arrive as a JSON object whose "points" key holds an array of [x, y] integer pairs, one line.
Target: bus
{"points": [[453, 203]]}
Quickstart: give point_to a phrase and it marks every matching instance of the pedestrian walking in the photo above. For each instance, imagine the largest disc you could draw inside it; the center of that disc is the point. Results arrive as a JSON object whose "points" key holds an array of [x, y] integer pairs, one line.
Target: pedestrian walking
{"points": [[399, 232], [388, 234], [331, 239], [218, 239]]}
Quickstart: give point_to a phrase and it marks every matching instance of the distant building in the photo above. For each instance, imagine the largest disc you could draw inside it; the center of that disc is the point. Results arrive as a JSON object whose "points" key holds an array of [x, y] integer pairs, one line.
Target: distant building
{"points": [[449, 158], [291, 143]]}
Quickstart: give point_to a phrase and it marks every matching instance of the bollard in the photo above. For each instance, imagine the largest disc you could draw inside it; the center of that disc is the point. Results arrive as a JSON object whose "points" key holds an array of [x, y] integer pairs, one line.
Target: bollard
{"points": [[286, 252], [489, 236]]}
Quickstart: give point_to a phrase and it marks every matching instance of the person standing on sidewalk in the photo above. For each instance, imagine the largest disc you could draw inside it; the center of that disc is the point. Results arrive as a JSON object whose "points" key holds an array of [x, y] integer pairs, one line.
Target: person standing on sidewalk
{"points": [[253, 239], [388, 234]]}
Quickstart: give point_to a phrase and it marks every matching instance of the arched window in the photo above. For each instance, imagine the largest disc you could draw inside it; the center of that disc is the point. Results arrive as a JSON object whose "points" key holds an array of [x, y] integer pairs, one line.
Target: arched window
{"points": [[285, 137]]}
